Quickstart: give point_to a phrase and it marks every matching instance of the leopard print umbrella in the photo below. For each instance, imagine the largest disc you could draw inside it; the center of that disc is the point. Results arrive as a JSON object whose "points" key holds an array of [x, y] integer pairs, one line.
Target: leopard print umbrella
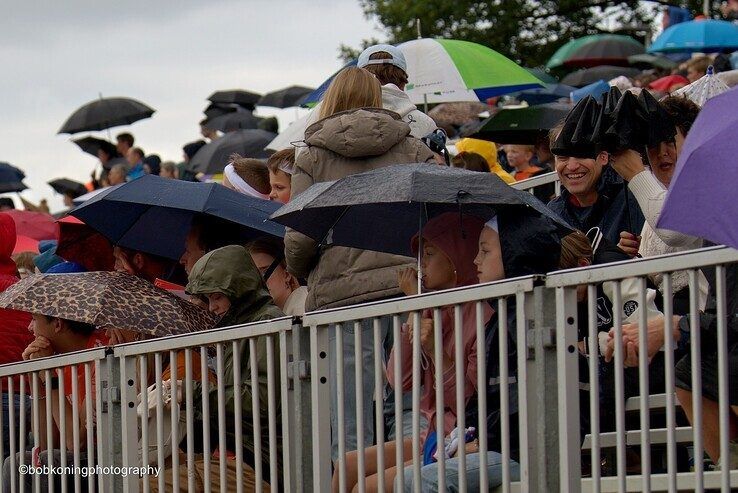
{"points": [[107, 300]]}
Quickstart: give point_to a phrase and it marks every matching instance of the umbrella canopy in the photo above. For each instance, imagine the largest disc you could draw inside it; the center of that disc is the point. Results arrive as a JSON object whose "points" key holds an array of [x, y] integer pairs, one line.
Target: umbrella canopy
{"points": [[235, 120], [285, 98], [107, 300], [457, 114], [594, 50], [524, 126], [214, 110], [25, 244], [647, 60], [213, 157], [595, 89], [240, 97], [449, 70], [704, 35], [346, 212], [541, 74], [548, 94], [81, 244], [154, 214], [701, 200], [36, 225], [11, 178], [84, 198], [586, 76], [91, 145], [704, 88], [65, 185], [105, 113]]}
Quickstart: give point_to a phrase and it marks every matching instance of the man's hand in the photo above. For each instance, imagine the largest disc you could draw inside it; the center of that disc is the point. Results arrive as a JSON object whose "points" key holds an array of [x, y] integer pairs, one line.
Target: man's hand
{"points": [[654, 339], [40, 347], [407, 278], [426, 335], [629, 243], [627, 164]]}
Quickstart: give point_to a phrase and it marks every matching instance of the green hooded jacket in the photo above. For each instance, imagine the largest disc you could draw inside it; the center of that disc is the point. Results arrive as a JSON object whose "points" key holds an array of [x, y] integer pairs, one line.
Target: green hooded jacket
{"points": [[230, 270]]}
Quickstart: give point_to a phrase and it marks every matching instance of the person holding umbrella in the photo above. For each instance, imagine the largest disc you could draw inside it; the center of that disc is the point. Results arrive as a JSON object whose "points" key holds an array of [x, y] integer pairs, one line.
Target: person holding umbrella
{"points": [[353, 135]]}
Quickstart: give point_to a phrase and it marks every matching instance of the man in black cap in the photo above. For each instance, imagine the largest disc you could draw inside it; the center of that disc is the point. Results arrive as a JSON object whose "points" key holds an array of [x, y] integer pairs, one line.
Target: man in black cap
{"points": [[593, 195]]}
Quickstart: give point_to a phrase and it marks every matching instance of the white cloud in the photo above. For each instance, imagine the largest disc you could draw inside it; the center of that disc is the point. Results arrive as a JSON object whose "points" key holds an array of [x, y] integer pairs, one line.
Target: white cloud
{"points": [[170, 55]]}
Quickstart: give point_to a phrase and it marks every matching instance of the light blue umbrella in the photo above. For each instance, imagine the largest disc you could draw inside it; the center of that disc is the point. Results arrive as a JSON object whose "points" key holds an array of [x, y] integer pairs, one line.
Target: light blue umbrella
{"points": [[705, 36]]}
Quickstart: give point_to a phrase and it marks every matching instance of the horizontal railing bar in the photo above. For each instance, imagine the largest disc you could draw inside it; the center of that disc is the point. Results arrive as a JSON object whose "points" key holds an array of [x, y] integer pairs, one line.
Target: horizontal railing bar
{"points": [[51, 362], [404, 304], [536, 181], [692, 259], [204, 338], [660, 482], [683, 434], [655, 402]]}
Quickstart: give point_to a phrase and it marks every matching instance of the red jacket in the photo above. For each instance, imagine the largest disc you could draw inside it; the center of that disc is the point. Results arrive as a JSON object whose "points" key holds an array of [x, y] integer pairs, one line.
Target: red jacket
{"points": [[14, 334]]}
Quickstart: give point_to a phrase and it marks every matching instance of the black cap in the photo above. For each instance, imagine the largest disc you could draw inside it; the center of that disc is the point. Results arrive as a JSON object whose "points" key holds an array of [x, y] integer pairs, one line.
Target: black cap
{"points": [[578, 138]]}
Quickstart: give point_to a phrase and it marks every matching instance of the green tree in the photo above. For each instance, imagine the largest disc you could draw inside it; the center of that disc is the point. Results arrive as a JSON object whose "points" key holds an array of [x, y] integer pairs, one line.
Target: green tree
{"points": [[528, 31]]}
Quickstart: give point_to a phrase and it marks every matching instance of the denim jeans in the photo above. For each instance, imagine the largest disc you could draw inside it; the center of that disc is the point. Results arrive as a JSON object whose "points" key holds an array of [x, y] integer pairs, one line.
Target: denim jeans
{"points": [[16, 427], [429, 474], [350, 388]]}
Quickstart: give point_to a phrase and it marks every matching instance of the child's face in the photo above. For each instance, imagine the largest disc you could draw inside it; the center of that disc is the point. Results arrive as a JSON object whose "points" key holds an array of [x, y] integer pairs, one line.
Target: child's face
{"points": [[489, 258], [281, 186], [218, 303], [438, 271]]}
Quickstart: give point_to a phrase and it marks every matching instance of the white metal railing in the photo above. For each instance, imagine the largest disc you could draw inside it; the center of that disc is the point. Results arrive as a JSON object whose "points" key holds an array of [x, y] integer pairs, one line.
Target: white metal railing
{"points": [[531, 184], [300, 379]]}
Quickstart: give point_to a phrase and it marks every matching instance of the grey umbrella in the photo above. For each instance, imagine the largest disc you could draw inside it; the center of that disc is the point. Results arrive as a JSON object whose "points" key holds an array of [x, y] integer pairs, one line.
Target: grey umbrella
{"points": [[581, 78], [240, 97], [381, 210], [236, 120], [285, 98], [11, 178], [213, 157], [105, 113]]}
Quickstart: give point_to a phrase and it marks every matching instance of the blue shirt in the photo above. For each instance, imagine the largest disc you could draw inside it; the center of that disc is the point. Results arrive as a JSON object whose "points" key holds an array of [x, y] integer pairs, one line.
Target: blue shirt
{"points": [[136, 172]]}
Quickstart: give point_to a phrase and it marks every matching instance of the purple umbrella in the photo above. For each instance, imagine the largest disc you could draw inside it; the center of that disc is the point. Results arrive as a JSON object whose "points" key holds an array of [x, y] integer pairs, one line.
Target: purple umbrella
{"points": [[701, 199]]}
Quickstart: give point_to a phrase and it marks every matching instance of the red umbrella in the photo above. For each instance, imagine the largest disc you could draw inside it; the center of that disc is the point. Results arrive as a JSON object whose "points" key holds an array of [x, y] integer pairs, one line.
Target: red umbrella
{"points": [[25, 244], [36, 225], [80, 243]]}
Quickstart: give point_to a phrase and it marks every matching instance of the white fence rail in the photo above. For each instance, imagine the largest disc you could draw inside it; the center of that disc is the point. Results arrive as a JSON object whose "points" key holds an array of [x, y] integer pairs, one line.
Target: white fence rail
{"points": [[283, 404]]}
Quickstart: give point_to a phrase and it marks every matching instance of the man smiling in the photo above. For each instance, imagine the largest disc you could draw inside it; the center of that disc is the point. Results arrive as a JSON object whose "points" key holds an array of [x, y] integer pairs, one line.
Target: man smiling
{"points": [[593, 195]]}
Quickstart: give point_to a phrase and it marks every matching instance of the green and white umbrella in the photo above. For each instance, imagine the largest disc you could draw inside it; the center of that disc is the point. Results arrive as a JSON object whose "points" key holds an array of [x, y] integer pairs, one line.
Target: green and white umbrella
{"points": [[450, 70]]}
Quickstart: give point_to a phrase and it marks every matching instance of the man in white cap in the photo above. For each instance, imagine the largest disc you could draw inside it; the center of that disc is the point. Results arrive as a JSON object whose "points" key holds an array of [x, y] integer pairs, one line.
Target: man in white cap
{"points": [[388, 64]]}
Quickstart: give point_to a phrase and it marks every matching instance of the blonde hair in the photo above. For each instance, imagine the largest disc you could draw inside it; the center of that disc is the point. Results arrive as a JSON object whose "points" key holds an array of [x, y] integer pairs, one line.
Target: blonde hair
{"points": [[352, 88]]}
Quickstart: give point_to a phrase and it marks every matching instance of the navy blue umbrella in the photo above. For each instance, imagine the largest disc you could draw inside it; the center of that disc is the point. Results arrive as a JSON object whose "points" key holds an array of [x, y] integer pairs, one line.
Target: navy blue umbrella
{"points": [[11, 178], [383, 209], [548, 94], [154, 214]]}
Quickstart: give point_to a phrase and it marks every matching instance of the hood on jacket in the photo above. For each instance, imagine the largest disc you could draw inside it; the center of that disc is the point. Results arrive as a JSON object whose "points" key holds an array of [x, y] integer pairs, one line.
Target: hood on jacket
{"points": [[7, 244], [396, 100], [356, 133], [230, 270], [529, 242], [488, 150], [458, 238]]}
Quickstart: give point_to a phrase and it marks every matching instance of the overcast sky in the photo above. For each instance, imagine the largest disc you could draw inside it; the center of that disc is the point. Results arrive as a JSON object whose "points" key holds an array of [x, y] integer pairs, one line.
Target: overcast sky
{"points": [[172, 55]]}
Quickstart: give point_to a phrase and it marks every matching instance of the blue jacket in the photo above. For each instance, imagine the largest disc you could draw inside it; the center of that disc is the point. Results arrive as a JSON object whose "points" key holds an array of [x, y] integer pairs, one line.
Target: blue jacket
{"points": [[616, 208]]}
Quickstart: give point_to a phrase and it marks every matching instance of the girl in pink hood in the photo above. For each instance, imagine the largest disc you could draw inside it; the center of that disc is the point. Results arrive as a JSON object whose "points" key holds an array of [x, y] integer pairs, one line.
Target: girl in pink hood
{"points": [[450, 244]]}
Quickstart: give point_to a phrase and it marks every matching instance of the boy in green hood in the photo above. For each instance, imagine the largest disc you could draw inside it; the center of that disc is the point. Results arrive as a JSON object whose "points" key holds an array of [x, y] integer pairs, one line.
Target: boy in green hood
{"points": [[235, 290]]}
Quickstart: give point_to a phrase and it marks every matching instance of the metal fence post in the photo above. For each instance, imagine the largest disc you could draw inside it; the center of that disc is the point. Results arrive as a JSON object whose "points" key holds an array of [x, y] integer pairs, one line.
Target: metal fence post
{"points": [[543, 398], [320, 435], [106, 424], [129, 386]]}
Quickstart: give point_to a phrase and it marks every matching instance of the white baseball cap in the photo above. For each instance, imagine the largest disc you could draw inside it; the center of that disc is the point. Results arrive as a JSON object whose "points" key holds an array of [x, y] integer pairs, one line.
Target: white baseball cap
{"points": [[398, 59]]}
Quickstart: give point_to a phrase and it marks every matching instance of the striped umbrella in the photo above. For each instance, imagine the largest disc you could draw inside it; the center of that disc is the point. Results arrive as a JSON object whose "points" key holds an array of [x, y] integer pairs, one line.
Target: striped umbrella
{"points": [[450, 70]]}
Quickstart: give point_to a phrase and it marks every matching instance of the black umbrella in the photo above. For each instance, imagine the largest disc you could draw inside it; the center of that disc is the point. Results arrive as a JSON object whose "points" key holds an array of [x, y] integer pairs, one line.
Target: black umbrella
{"points": [[382, 209], [285, 98], [154, 214], [214, 110], [65, 185], [105, 113], [240, 97], [236, 120], [91, 145], [608, 49], [522, 125], [11, 178], [586, 76], [213, 157], [647, 61]]}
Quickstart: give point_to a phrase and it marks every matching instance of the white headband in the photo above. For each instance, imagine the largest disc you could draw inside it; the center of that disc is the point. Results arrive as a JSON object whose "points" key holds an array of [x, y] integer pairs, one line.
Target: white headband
{"points": [[492, 224], [240, 184]]}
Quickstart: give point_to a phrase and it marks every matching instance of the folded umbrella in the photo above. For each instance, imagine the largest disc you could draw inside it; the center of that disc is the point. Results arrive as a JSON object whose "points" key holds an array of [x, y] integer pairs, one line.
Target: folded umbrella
{"points": [[703, 35], [107, 300], [577, 137], [285, 98], [400, 198], [581, 78], [36, 225], [605, 119], [637, 123], [81, 244], [65, 185], [154, 214], [524, 126], [213, 157], [245, 99], [11, 178], [105, 113], [701, 199]]}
